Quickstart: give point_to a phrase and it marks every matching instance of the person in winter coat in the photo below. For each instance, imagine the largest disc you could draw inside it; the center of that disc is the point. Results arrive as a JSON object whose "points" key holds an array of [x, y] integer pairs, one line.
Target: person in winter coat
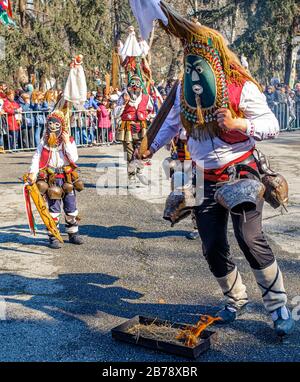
{"points": [[104, 122], [12, 109], [28, 120], [281, 106], [50, 99], [2, 126], [41, 109], [91, 103], [270, 96], [3, 88]]}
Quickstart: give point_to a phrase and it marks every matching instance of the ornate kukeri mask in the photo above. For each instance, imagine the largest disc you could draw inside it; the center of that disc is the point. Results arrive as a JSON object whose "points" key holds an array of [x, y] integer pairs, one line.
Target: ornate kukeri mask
{"points": [[54, 128], [205, 89], [134, 88], [199, 79]]}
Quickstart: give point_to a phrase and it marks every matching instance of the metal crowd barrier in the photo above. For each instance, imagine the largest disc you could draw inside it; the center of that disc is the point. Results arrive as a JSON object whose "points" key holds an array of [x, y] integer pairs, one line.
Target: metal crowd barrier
{"points": [[23, 131], [288, 116]]}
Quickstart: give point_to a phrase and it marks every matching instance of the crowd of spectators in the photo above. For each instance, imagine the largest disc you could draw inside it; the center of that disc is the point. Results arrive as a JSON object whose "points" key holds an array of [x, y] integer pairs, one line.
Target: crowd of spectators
{"points": [[285, 103], [23, 115]]}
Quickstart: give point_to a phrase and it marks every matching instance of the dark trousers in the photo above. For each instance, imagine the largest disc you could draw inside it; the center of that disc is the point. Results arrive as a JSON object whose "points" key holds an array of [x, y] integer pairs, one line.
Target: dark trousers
{"points": [[68, 202], [129, 149], [14, 139], [69, 205], [27, 138], [212, 222]]}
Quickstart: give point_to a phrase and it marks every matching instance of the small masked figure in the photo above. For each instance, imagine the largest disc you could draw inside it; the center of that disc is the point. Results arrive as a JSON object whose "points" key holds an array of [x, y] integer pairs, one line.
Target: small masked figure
{"points": [[135, 113], [55, 172]]}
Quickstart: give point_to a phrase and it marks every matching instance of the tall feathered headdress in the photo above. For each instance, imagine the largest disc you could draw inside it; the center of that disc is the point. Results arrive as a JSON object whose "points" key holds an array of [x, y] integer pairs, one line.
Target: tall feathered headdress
{"points": [[198, 41]]}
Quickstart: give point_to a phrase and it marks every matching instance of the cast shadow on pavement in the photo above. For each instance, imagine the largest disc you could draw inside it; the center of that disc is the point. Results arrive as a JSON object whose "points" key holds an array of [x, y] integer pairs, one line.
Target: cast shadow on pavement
{"points": [[115, 232], [88, 294], [83, 309], [70, 318], [20, 233], [88, 165], [14, 239], [9, 183]]}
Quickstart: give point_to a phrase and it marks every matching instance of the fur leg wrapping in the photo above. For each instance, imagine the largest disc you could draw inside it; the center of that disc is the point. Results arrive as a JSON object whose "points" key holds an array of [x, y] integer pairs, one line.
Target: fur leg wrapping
{"points": [[270, 282], [71, 223], [234, 289]]}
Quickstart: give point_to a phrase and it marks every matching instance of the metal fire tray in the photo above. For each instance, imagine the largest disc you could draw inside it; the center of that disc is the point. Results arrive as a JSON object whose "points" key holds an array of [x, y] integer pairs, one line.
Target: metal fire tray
{"points": [[121, 333]]}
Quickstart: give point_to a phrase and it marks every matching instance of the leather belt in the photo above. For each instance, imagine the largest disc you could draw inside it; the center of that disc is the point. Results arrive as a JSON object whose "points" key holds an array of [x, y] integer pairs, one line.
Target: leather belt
{"points": [[244, 166], [248, 165]]}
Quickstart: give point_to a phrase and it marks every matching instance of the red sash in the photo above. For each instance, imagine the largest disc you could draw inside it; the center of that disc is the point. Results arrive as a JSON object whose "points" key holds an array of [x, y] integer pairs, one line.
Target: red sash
{"points": [[218, 175]]}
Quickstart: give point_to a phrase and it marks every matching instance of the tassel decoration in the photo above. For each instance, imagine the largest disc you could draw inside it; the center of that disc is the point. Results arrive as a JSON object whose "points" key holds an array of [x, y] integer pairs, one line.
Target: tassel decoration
{"points": [[199, 110]]}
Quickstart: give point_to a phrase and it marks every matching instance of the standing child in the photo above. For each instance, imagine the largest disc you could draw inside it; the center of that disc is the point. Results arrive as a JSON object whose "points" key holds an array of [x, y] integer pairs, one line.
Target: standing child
{"points": [[104, 122]]}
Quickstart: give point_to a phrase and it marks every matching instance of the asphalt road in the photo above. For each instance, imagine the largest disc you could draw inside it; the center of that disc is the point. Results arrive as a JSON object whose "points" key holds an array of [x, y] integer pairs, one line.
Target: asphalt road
{"points": [[61, 306]]}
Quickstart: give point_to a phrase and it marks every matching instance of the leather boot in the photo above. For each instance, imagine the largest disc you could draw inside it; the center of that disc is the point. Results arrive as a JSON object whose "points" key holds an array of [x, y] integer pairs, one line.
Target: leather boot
{"points": [[74, 238]]}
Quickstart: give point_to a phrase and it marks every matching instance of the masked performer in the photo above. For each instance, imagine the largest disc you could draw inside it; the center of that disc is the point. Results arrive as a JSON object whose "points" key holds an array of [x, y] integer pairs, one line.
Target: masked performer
{"points": [[54, 169], [137, 108], [224, 112]]}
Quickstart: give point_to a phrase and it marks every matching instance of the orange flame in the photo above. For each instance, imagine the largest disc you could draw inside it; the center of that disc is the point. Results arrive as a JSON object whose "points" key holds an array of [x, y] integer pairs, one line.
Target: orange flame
{"points": [[192, 333]]}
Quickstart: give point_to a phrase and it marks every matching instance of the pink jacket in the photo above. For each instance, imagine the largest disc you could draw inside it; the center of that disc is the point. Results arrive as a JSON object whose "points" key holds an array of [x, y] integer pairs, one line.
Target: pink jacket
{"points": [[103, 118]]}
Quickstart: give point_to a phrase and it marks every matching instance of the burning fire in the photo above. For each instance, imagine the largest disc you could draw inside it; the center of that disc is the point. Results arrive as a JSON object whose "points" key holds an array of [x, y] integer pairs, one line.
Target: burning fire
{"points": [[192, 333]]}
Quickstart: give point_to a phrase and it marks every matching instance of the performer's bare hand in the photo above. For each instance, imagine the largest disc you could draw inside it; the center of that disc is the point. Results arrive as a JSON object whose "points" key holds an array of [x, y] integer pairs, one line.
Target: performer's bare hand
{"points": [[227, 122], [148, 154], [66, 137], [126, 97]]}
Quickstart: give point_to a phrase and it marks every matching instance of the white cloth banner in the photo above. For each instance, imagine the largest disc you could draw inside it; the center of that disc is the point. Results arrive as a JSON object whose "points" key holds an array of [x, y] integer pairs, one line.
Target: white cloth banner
{"points": [[76, 88], [131, 47], [146, 11], [144, 47]]}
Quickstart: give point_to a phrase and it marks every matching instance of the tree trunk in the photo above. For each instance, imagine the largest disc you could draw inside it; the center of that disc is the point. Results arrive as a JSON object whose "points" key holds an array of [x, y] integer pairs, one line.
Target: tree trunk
{"points": [[22, 10], [234, 22], [117, 21], [289, 52], [150, 45], [176, 61], [42, 84], [288, 63]]}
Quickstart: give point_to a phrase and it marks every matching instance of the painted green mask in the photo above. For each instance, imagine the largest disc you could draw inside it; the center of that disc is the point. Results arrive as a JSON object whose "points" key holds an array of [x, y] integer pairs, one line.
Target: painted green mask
{"points": [[199, 78]]}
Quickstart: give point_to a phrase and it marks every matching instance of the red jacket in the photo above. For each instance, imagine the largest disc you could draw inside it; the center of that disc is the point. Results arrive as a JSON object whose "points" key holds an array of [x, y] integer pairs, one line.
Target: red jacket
{"points": [[10, 107]]}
